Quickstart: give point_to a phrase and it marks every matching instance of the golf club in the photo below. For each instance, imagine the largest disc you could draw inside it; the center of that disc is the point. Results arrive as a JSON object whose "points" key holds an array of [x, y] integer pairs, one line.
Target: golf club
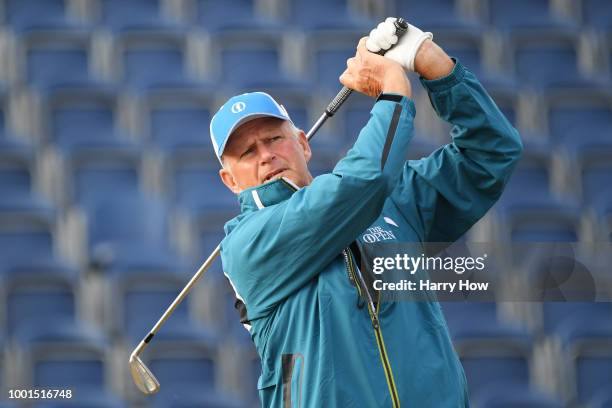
{"points": [[143, 377]]}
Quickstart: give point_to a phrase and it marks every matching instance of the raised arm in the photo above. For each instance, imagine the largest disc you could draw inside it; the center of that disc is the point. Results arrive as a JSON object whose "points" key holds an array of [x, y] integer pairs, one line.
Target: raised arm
{"points": [[444, 194], [277, 250]]}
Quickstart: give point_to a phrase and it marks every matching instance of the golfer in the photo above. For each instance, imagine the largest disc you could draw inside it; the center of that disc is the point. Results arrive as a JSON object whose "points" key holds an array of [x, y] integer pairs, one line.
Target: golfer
{"points": [[291, 253]]}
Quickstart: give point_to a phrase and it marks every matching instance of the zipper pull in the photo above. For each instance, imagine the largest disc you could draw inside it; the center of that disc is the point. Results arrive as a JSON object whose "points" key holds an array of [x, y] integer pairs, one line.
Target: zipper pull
{"points": [[375, 322]]}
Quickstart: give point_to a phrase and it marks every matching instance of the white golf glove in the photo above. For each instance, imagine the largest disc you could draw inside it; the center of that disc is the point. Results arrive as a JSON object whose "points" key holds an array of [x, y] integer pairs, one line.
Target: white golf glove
{"points": [[383, 37]]}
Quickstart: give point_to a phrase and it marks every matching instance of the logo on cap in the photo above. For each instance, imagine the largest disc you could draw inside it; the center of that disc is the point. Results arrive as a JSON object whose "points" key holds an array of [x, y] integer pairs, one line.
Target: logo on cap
{"points": [[238, 107]]}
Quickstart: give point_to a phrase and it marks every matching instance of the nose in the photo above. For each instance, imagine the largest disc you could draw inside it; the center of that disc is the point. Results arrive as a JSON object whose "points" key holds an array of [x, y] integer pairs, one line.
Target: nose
{"points": [[266, 155]]}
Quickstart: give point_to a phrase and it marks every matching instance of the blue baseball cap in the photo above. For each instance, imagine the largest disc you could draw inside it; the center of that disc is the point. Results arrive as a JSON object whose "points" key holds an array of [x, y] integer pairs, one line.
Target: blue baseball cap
{"points": [[239, 110]]}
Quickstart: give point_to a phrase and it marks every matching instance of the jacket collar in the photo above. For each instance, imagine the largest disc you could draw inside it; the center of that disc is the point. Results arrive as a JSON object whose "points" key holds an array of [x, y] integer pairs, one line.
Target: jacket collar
{"points": [[267, 194]]}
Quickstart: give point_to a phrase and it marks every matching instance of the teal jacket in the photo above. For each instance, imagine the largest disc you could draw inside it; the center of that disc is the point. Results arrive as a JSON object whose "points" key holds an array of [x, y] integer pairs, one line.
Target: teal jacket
{"points": [[290, 257]]}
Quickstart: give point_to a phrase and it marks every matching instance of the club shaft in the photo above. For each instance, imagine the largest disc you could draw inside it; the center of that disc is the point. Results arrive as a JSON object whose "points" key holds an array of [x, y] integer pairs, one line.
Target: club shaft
{"points": [[177, 301]]}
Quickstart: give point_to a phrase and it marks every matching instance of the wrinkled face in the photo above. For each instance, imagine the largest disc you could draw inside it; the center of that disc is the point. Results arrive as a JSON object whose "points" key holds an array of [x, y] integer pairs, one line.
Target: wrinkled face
{"points": [[262, 150]]}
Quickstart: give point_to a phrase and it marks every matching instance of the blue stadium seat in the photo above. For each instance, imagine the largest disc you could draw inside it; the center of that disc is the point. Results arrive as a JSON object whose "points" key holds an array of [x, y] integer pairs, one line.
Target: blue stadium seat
{"points": [[523, 14], [494, 354], [532, 174], [504, 396], [184, 360], [466, 46], [595, 172], [555, 314], [84, 117], [189, 398], [35, 14], [154, 59], [547, 58], [579, 116], [251, 59], [136, 298], [16, 172], [602, 399], [92, 175], [55, 58], [327, 15], [587, 342], [435, 16], [218, 15], [65, 355], [39, 294], [458, 314], [196, 185], [128, 230], [179, 119], [327, 55], [542, 222], [25, 233], [134, 14], [597, 14]]}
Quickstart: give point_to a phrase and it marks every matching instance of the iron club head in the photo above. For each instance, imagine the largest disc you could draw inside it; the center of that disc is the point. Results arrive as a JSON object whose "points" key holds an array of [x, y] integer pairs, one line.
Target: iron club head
{"points": [[143, 377]]}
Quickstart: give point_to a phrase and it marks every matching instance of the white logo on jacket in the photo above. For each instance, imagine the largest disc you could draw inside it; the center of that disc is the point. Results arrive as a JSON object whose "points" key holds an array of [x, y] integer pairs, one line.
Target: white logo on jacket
{"points": [[377, 234]]}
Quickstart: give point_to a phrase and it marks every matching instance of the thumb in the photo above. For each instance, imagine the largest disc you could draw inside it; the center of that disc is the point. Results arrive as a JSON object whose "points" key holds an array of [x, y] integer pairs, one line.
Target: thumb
{"points": [[347, 79]]}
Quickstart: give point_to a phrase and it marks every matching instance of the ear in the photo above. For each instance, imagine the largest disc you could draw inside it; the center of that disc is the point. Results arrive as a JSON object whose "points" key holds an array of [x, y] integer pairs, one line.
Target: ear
{"points": [[229, 180], [303, 141]]}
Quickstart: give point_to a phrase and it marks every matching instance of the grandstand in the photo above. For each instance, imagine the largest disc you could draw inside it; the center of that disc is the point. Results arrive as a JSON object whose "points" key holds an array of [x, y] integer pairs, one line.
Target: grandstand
{"points": [[110, 199]]}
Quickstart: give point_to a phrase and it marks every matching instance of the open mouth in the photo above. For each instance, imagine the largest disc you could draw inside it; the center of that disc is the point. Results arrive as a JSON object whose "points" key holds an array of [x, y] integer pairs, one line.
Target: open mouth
{"points": [[273, 174]]}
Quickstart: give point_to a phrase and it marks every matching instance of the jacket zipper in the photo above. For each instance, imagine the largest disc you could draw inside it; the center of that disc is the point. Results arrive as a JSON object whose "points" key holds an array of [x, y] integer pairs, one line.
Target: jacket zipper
{"points": [[373, 312]]}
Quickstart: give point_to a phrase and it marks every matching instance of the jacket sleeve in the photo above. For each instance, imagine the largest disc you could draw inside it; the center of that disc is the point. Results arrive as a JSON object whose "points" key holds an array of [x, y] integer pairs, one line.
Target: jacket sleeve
{"points": [[444, 194], [277, 250]]}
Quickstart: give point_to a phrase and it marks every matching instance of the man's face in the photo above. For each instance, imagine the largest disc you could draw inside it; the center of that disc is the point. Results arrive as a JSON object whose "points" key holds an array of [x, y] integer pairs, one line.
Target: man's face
{"points": [[262, 150]]}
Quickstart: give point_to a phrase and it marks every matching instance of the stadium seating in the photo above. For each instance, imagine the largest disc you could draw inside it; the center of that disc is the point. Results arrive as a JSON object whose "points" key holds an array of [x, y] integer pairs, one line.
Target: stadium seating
{"points": [[438, 15], [132, 15], [84, 117], [64, 356], [25, 233], [178, 119], [596, 14], [39, 295], [523, 14], [547, 58], [252, 59], [154, 58], [327, 55], [196, 185], [219, 15], [35, 14], [516, 397], [588, 346], [56, 58], [131, 230], [320, 15]]}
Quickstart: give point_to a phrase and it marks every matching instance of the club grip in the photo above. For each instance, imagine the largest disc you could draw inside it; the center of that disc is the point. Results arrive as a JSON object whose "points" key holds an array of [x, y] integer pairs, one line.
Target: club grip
{"points": [[401, 26], [338, 100]]}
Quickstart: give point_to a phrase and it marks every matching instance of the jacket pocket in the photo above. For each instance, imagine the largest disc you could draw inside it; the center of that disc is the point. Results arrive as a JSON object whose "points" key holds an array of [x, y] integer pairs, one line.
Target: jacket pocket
{"points": [[293, 369]]}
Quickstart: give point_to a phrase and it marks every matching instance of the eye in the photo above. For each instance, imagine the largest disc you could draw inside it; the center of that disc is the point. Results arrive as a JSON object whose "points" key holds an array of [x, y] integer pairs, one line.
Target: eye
{"points": [[275, 138], [247, 152]]}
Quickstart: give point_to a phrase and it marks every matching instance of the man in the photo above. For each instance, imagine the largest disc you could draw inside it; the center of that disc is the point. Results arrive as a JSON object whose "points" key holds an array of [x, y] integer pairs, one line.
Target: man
{"points": [[290, 255]]}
